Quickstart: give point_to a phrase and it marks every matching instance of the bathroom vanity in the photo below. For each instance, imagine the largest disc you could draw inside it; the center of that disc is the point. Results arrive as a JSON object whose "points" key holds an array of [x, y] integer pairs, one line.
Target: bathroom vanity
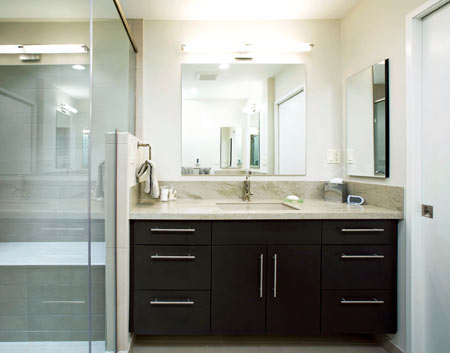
{"points": [[324, 272]]}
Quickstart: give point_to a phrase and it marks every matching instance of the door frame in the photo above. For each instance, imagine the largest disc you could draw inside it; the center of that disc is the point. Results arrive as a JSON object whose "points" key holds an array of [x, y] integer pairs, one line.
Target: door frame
{"points": [[415, 342], [276, 116]]}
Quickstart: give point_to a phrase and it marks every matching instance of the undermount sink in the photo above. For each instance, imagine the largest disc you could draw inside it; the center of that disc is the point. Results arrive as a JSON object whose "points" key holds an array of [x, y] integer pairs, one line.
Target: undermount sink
{"points": [[255, 206]]}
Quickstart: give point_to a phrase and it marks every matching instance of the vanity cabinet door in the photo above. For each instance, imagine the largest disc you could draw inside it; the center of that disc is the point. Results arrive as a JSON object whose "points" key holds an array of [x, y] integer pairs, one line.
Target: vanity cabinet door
{"points": [[293, 289], [238, 298]]}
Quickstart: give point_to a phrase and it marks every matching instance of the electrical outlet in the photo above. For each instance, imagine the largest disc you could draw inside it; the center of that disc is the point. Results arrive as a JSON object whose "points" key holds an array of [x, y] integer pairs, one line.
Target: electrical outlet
{"points": [[333, 156], [337, 156]]}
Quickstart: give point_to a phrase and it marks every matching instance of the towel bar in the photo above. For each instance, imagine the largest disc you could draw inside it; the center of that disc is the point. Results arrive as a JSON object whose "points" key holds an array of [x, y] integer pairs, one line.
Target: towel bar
{"points": [[149, 149]]}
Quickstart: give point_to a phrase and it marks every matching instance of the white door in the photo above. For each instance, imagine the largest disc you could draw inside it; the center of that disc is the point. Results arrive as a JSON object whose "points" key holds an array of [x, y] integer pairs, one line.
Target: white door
{"points": [[435, 232], [291, 135]]}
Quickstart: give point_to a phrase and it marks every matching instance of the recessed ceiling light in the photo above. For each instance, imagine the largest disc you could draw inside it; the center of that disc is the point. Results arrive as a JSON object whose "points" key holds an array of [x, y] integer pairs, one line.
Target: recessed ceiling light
{"points": [[224, 66], [78, 67], [193, 90]]}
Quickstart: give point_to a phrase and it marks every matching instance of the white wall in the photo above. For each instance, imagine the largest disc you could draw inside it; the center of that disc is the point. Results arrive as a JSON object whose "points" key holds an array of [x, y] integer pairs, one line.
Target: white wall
{"points": [[162, 84], [202, 120], [373, 31], [288, 80], [370, 32]]}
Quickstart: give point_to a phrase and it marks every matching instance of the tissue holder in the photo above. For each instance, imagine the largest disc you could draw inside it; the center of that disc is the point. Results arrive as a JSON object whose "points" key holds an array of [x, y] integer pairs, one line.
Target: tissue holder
{"points": [[335, 192]]}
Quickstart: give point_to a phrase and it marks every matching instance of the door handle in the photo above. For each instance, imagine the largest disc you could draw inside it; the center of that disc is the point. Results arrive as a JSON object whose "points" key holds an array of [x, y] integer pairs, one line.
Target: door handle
{"points": [[275, 265], [261, 275]]}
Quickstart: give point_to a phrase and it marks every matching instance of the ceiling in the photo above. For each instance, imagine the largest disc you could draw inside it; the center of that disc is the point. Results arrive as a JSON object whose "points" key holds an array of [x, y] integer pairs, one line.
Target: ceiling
{"points": [[236, 9], [178, 9], [239, 81]]}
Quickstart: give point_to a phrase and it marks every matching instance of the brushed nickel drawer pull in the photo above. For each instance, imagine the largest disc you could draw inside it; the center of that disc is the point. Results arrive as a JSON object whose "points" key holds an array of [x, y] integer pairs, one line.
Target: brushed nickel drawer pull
{"points": [[159, 302], [275, 270], [63, 302], [173, 257], [261, 274], [374, 256], [362, 230], [373, 301], [172, 230]]}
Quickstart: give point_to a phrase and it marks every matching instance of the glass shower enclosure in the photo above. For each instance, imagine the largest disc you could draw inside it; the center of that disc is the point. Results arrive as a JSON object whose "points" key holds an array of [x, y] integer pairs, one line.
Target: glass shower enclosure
{"points": [[67, 70]]}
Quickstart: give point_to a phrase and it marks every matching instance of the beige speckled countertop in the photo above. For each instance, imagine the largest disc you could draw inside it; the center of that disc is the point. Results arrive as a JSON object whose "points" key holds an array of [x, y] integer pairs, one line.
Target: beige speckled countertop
{"points": [[209, 210]]}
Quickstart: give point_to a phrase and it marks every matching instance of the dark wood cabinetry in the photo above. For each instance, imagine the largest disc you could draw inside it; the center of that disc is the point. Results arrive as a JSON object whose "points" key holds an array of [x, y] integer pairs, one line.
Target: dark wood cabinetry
{"points": [[293, 289], [238, 298], [263, 277]]}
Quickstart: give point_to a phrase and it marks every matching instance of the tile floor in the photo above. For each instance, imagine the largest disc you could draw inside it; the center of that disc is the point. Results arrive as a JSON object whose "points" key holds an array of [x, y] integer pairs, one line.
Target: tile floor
{"points": [[351, 344]]}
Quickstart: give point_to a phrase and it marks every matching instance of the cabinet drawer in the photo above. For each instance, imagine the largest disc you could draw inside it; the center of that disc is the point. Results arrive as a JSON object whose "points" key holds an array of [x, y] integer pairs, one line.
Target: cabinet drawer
{"points": [[266, 232], [358, 311], [171, 313], [358, 267], [172, 267], [359, 232], [172, 232]]}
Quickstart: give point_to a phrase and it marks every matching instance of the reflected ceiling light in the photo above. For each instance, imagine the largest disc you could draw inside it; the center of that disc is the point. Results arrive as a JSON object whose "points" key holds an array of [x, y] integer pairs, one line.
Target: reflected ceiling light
{"points": [[65, 108], [193, 90], [78, 67], [44, 49], [283, 47], [224, 66]]}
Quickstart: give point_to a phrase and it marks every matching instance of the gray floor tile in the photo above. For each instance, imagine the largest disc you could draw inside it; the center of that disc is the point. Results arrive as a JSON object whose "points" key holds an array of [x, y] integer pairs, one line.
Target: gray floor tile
{"points": [[189, 347], [365, 349]]}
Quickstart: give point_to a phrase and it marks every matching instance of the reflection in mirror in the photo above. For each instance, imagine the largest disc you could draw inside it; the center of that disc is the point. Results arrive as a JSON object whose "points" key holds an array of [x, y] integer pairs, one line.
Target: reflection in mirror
{"points": [[46, 135], [254, 139], [230, 147], [242, 117], [368, 122]]}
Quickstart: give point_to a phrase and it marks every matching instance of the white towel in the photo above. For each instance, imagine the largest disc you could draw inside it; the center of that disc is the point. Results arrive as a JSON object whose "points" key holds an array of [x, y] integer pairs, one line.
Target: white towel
{"points": [[151, 182]]}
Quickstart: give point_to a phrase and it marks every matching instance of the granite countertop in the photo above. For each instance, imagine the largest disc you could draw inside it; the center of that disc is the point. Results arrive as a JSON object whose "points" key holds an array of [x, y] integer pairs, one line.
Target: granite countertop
{"points": [[190, 209]]}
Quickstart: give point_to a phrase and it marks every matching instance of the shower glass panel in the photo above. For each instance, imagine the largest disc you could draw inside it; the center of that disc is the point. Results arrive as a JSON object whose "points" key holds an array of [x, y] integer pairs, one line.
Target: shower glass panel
{"points": [[113, 92], [58, 114]]}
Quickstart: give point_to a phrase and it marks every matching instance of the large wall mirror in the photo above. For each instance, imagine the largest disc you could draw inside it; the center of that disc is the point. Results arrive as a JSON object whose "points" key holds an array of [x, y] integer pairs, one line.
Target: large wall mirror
{"points": [[241, 117], [368, 122]]}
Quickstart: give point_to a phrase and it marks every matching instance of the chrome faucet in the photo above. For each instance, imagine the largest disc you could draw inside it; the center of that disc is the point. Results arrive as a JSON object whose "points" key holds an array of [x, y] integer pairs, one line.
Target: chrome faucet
{"points": [[247, 192]]}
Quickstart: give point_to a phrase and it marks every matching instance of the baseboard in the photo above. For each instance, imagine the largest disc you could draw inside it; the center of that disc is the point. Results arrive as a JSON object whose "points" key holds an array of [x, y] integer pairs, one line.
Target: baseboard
{"points": [[387, 345], [130, 347]]}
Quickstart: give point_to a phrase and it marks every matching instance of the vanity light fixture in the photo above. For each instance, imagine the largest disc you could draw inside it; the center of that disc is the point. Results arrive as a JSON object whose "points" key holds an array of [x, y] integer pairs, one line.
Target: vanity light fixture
{"points": [[78, 67], [240, 48], [65, 108], [44, 49]]}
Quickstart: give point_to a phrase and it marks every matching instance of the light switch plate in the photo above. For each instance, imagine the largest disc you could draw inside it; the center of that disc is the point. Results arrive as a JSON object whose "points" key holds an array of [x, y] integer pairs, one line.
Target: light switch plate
{"points": [[331, 155]]}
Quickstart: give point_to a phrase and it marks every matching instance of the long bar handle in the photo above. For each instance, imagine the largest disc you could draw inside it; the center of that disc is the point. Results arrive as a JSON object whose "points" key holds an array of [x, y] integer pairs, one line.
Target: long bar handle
{"points": [[275, 270], [172, 230], [374, 256], [158, 302], [261, 275], [373, 301], [362, 230], [172, 257]]}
